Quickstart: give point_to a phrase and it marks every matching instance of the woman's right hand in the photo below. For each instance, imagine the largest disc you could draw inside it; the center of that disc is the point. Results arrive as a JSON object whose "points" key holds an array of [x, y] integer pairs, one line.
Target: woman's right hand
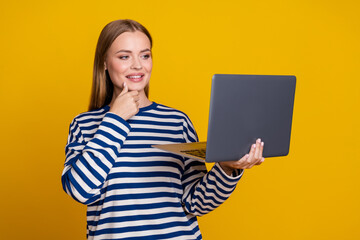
{"points": [[126, 104]]}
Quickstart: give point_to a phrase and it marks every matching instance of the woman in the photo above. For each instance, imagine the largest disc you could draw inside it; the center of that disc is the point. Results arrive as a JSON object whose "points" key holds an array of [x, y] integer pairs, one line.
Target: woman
{"points": [[134, 191]]}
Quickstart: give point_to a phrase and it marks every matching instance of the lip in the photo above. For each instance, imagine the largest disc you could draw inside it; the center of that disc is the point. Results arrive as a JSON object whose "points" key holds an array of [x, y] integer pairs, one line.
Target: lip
{"points": [[135, 77]]}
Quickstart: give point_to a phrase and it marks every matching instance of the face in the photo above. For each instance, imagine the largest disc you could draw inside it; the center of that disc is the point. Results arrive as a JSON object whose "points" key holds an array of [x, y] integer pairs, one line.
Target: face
{"points": [[129, 60]]}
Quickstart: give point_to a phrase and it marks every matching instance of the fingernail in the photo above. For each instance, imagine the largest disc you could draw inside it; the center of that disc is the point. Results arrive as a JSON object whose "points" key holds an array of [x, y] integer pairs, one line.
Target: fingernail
{"points": [[253, 146], [258, 140], [262, 144]]}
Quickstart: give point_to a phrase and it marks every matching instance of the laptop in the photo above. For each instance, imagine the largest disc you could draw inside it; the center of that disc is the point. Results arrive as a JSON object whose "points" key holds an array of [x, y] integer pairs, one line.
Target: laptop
{"points": [[242, 109]]}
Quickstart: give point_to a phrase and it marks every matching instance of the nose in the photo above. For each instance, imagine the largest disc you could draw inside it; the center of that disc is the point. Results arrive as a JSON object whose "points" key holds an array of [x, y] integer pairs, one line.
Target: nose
{"points": [[136, 64]]}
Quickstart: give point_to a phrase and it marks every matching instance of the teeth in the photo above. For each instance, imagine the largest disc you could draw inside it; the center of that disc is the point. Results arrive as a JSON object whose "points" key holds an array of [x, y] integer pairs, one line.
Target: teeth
{"points": [[134, 76]]}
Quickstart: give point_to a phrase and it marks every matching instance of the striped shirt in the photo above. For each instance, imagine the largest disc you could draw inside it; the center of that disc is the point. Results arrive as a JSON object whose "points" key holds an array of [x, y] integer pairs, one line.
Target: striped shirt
{"points": [[132, 190]]}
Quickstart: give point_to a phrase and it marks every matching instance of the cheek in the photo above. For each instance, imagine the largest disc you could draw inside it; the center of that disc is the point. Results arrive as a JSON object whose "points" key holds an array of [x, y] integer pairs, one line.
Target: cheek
{"points": [[118, 67], [148, 66], [116, 71]]}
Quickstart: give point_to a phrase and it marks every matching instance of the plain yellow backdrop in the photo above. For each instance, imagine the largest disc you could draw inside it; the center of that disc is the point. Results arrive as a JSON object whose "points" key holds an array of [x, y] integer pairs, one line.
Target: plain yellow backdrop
{"points": [[47, 50]]}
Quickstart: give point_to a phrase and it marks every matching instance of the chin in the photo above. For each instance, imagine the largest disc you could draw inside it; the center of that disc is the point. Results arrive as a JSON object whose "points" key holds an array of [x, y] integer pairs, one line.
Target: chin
{"points": [[136, 86]]}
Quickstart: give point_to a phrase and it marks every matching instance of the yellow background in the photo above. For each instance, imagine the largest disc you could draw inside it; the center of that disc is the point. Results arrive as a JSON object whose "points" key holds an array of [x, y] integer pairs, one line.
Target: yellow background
{"points": [[47, 50]]}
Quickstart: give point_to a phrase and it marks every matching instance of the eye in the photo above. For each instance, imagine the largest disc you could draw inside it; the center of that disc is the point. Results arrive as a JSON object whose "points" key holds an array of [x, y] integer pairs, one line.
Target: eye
{"points": [[146, 56], [124, 57]]}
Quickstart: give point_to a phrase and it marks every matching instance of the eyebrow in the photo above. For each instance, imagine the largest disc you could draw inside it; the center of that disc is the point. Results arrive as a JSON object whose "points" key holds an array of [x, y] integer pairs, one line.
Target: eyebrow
{"points": [[128, 51]]}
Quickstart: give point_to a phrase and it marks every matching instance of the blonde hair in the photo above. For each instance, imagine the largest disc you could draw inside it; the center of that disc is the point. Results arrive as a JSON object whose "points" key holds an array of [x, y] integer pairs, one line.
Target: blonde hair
{"points": [[102, 87]]}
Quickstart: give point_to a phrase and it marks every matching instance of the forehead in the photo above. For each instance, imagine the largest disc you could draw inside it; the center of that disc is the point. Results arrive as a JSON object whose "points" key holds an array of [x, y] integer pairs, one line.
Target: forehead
{"points": [[133, 41]]}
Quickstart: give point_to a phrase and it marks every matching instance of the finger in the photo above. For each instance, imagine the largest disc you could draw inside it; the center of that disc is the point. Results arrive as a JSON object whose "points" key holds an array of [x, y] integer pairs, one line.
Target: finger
{"points": [[258, 153], [134, 93], [261, 149], [242, 162], [125, 89], [238, 164], [261, 161], [251, 155], [136, 98], [256, 162], [257, 149]]}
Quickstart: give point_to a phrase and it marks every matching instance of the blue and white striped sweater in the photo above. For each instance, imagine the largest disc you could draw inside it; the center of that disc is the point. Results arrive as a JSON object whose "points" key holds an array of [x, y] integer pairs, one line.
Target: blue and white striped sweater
{"points": [[134, 191]]}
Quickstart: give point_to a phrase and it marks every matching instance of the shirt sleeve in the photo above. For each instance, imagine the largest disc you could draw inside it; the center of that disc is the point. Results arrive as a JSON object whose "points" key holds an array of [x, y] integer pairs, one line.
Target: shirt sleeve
{"points": [[88, 163], [204, 191]]}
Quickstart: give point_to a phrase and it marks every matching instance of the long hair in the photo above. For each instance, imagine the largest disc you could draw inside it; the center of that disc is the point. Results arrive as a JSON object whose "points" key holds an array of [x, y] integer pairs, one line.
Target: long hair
{"points": [[102, 87]]}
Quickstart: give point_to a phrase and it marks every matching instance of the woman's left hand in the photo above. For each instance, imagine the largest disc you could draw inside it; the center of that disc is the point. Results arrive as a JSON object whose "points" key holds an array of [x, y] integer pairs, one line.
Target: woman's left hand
{"points": [[254, 157]]}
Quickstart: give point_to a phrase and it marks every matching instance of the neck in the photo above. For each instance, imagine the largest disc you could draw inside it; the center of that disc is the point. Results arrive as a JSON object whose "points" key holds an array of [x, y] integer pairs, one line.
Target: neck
{"points": [[143, 101]]}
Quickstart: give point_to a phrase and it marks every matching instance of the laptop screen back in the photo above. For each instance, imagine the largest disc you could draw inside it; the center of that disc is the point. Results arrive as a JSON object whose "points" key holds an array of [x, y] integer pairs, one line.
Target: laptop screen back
{"points": [[246, 107]]}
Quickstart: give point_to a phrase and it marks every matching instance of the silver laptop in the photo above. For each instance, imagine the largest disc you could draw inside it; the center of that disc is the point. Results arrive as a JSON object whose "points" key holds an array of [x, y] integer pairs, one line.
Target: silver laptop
{"points": [[242, 109]]}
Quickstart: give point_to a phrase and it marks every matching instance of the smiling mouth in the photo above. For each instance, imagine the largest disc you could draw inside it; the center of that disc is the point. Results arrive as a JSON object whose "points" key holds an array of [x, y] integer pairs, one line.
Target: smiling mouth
{"points": [[135, 77]]}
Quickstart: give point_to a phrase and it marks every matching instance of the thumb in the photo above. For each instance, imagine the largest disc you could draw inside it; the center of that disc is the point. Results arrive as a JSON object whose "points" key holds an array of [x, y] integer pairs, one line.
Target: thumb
{"points": [[125, 89]]}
